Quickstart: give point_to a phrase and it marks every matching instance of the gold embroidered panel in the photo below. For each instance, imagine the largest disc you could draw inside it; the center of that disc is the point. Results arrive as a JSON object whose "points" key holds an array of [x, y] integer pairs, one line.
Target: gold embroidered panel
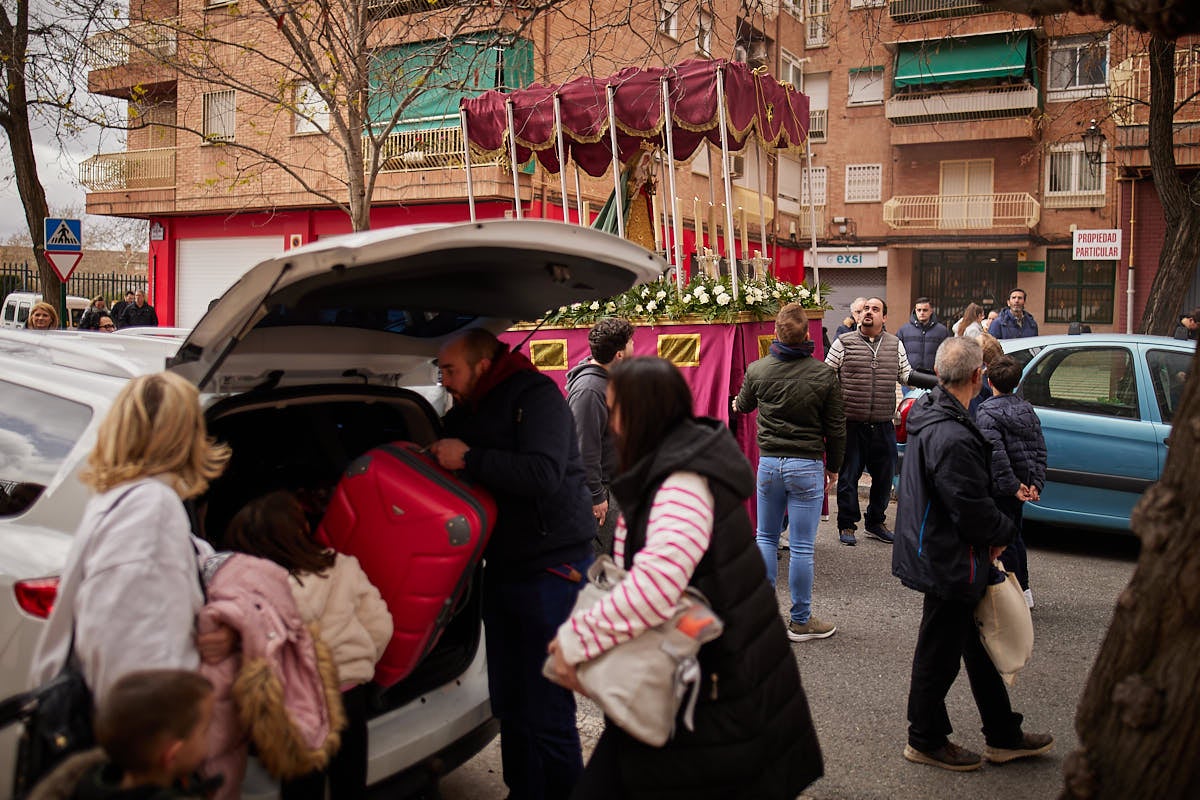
{"points": [[681, 349], [549, 354], [764, 345]]}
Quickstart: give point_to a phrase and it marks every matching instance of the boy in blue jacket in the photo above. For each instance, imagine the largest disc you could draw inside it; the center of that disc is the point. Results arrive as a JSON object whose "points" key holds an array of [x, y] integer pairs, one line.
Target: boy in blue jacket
{"points": [[1011, 426]]}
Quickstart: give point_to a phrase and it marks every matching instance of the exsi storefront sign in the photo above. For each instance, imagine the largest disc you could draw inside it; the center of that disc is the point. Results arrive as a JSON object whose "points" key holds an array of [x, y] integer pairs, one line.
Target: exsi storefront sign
{"points": [[1096, 245], [851, 258]]}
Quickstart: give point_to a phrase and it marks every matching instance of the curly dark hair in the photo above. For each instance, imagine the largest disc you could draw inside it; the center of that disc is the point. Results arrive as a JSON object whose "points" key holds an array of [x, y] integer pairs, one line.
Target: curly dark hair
{"points": [[609, 337]]}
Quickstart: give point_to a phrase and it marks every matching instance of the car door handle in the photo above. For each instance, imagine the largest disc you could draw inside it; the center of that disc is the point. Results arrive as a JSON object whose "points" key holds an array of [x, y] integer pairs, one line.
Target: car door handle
{"points": [[1167, 441]]}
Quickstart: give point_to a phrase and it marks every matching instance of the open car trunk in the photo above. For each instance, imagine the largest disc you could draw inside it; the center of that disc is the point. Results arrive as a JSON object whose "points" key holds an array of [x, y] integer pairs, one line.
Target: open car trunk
{"points": [[301, 440]]}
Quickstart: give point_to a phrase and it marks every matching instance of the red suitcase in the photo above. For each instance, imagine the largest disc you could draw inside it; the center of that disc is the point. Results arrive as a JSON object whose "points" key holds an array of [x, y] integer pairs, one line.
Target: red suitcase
{"points": [[419, 532]]}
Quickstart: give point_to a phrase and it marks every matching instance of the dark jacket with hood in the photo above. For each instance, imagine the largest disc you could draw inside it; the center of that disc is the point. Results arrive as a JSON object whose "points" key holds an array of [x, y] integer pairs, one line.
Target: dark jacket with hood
{"points": [[799, 401], [754, 737], [90, 776], [524, 450], [1005, 325], [921, 341], [587, 384], [946, 518], [1014, 431]]}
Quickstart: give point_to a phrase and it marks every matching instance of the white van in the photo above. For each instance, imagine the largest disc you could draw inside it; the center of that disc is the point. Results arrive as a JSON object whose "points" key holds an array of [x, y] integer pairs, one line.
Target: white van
{"points": [[18, 304]]}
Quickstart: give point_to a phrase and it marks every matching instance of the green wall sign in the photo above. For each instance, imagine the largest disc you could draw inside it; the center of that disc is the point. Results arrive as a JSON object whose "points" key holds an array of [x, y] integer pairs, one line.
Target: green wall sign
{"points": [[1031, 266]]}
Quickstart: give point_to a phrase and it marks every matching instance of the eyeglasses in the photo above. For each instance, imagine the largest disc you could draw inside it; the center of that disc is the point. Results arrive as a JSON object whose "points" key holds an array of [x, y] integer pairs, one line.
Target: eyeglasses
{"points": [[109, 327]]}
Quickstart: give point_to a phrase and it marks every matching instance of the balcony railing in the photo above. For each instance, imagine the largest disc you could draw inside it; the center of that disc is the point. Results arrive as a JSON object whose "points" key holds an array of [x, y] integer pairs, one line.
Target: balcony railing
{"points": [[818, 124], [952, 211], [1073, 199], [817, 30], [408, 151], [909, 10], [142, 42], [379, 9], [984, 103], [1129, 88], [131, 169]]}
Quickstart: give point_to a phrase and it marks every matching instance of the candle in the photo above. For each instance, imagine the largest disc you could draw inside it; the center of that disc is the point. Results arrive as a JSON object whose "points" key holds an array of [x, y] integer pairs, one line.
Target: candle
{"points": [[742, 214], [699, 226]]}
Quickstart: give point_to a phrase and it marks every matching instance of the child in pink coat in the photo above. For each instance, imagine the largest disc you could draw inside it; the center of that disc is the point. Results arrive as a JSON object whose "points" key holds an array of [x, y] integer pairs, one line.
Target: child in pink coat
{"points": [[332, 591]]}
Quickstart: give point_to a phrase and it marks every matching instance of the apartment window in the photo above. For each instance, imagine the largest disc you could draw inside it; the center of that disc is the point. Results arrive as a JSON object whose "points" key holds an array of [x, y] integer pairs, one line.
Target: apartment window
{"points": [[1078, 67], [816, 86], [820, 180], [1071, 180], [219, 116], [312, 112], [864, 183], [867, 3], [668, 18], [816, 29], [794, 7], [704, 34], [1079, 291], [866, 86]]}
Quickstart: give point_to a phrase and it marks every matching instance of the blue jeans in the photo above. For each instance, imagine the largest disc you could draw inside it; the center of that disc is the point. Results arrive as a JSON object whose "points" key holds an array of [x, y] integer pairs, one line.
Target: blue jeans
{"points": [[797, 486], [539, 740]]}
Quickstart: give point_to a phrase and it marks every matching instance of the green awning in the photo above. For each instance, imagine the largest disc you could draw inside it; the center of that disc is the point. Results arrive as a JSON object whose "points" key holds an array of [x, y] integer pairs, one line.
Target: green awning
{"points": [[969, 59]]}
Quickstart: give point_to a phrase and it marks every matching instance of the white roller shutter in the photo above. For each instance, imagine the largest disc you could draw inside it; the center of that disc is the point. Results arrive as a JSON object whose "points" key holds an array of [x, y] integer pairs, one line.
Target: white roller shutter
{"points": [[848, 284], [205, 268]]}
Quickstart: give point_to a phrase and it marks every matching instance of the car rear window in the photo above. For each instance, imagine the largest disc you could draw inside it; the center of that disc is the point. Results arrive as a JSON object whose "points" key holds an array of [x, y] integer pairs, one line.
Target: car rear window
{"points": [[37, 431]]}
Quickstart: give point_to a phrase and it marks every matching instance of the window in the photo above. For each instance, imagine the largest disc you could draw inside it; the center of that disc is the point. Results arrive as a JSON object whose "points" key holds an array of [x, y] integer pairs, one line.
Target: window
{"points": [[1168, 373], [1071, 180], [820, 181], [816, 86], [219, 115], [1078, 67], [866, 86], [867, 3], [816, 30], [312, 112], [704, 34], [864, 183], [791, 70], [39, 430], [1079, 291], [1086, 380], [794, 7], [668, 18]]}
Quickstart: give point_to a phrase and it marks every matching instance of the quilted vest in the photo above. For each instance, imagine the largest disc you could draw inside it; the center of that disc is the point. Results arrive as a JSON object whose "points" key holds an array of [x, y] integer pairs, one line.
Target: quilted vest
{"points": [[868, 376]]}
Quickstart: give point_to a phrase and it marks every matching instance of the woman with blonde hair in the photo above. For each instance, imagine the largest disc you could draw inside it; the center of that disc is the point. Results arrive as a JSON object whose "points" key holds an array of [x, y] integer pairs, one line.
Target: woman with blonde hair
{"points": [[971, 324], [42, 317], [130, 590]]}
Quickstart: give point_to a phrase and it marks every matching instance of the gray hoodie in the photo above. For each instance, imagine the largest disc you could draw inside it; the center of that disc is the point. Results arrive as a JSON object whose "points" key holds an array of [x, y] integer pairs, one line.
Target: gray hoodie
{"points": [[587, 384]]}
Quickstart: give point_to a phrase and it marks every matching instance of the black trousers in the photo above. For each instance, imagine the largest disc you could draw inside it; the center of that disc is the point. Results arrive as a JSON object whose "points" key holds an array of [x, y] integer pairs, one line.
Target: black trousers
{"points": [[347, 770], [870, 446], [1015, 557], [948, 635]]}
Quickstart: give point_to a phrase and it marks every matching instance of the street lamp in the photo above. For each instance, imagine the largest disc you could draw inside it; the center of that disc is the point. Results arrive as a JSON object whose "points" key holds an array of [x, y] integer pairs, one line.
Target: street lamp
{"points": [[1093, 144]]}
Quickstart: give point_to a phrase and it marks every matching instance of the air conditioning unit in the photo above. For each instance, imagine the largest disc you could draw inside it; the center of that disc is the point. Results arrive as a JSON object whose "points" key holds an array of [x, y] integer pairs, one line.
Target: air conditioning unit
{"points": [[737, 165]]}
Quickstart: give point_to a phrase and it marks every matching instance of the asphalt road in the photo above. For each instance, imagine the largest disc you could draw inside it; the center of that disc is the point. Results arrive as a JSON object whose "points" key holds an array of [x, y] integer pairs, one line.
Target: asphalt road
{"points": [[857, 681]]}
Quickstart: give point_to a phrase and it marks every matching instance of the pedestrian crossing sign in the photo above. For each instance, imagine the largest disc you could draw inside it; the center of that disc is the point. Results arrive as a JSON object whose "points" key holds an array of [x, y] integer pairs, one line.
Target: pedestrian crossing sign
{"points": [[63, 235]]}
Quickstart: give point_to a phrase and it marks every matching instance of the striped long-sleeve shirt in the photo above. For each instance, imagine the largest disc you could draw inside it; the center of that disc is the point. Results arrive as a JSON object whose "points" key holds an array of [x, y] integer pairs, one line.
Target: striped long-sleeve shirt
{"points": [[677, 536]]}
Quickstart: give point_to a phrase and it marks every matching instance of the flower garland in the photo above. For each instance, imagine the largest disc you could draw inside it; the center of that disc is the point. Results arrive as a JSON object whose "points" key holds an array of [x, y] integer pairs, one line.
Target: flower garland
{"points": [[708, 298]]}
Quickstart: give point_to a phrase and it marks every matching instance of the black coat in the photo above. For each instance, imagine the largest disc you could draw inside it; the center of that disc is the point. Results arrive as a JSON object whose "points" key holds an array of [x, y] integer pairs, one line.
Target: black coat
{"points": [[754, 737], [135, 316], [946, 518], [587, 384]]}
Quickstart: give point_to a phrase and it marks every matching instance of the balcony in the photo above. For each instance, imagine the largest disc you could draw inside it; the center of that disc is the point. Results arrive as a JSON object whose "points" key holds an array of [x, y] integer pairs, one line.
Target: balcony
{"points": [[141, 42], [818, 124], [962, 211], [381, 9], [912, 10], [994, 102], [412, 150], [131, 169], [797, 225]]}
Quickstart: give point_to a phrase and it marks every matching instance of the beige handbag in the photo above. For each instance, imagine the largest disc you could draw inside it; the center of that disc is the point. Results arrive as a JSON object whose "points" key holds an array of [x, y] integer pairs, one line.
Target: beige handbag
{"points": [[641, 683], [1005, 626]]}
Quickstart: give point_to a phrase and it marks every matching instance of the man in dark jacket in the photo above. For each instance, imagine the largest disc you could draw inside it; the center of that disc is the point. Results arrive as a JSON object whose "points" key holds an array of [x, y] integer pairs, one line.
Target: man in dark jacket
{"points": [[921, 336], [610, 340], [1189, 325], [1014, 322], [119, 307], [513, 433], [948, 531], [139, 314]]}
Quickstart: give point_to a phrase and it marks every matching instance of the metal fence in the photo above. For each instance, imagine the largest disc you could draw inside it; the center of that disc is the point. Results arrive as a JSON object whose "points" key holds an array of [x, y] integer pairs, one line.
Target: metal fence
{"points": [[20, 276]]}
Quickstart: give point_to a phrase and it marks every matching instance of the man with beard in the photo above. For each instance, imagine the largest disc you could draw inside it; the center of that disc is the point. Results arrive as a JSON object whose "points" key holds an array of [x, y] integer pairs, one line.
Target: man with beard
{"points": [[513, 433], [1014, 322]]}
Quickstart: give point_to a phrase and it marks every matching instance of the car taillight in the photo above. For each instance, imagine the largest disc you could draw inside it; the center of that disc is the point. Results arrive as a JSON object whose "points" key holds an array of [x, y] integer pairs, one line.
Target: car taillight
{"points": [[902, 429], [37, 596]]}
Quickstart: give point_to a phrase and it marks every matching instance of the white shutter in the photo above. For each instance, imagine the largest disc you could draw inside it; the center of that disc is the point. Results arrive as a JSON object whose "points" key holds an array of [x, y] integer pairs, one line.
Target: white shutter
{"points": [[205, 268]]}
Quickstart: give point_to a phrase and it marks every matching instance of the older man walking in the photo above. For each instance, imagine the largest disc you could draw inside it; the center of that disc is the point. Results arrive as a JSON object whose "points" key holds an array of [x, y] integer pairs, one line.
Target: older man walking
{"points": [[948, 531]]}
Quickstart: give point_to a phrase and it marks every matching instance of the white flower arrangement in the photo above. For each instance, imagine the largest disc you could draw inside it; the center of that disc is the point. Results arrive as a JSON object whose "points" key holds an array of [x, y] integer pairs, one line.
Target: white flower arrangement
{"points": [[711, 299]]}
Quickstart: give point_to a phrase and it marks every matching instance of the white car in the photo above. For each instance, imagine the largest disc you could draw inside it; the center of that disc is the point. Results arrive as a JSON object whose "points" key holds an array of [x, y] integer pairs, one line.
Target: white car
{"points": [[303, 365]]}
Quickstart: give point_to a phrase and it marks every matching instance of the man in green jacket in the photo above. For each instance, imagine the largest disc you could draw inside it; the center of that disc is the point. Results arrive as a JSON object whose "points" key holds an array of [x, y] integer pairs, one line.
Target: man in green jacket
{"points": [[801, 439]]}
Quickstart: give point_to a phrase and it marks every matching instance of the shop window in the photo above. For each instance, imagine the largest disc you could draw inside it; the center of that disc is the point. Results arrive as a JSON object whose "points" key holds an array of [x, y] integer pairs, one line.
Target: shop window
{"points": [[1079, 291]]}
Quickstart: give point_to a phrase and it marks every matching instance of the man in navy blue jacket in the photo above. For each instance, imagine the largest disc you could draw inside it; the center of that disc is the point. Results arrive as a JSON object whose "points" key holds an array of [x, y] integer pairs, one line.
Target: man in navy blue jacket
{"points": [[948, 531], [513, 433], [1014, 322], [921, 336]]}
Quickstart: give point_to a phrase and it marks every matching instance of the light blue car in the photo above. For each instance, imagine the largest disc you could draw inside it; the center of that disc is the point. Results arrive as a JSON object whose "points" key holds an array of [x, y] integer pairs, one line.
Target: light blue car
{"points": [[1105, 402]]}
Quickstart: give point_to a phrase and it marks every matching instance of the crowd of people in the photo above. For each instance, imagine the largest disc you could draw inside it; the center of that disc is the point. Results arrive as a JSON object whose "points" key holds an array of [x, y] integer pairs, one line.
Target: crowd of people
{"points": [[131, 312], [620, 466]]}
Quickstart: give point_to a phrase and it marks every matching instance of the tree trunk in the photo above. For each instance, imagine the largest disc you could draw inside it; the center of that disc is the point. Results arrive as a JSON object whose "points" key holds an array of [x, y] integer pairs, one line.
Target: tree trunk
{"points": [[1181, 241]]}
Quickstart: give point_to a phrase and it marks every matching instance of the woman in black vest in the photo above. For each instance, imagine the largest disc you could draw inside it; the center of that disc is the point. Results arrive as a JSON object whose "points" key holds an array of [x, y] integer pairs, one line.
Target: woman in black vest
{"points": [[682, 491]]}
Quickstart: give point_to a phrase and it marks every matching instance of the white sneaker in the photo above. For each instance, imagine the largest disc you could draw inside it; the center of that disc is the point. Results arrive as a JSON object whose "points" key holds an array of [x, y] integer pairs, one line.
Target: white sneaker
{"points": [[1029, 598]]}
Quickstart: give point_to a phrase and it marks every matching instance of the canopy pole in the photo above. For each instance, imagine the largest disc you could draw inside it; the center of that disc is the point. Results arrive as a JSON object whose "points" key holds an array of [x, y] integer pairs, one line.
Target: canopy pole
{"points": [[579, 200], [812, 222], [562, 157], [729, 237], [462, 119], [618, 189], [677, 227], [512, 156], [762, 212]]}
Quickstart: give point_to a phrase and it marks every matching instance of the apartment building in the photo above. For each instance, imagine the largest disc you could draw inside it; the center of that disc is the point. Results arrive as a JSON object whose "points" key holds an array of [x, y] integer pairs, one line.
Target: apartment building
{"points": [[945, 141]]}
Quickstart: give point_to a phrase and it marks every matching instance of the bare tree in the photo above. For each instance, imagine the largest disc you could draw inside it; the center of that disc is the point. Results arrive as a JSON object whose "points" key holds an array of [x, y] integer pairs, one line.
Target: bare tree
{"points": [[1167, 19]]}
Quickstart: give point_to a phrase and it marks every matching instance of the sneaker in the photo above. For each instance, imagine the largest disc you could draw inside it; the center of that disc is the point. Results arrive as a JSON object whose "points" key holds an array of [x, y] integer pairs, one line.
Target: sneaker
{"points": [[846, 536], [882, 533], [813, 629], [949, 756], [1029, 598], [1031, 744]]}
